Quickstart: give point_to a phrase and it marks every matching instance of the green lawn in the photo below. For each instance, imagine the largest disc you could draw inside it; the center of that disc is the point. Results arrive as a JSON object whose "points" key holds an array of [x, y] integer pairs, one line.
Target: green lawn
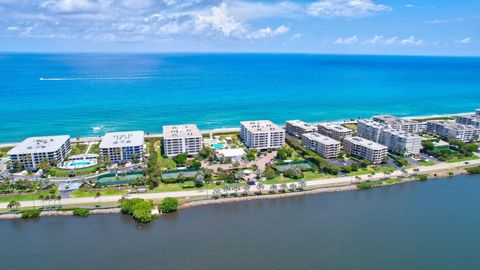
{"points": [[78, 148], [18, 198], [84, 193], [307, 176], [4, 151], [426, 163], [94, 149], [64, 173], [372, 169], [164, 162], [453, 160]]}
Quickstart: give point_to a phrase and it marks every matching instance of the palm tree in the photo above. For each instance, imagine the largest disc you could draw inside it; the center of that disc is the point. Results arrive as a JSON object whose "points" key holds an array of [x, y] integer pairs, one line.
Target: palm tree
{"points": [[226, 188], [283, 187], [246, 189], [97, 196], [302, 184], [236, 188], [358, 178], [13, 204], [293, 187], [273, 188], [59, 198], [260, 187], [53, 198], [42, 198], [217, 193]]}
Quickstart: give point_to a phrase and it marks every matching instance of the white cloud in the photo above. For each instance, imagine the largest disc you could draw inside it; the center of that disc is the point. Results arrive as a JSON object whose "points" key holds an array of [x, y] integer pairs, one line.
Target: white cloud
{"points": [[381, 40], [411, 41], [76, 6], [220, 19], [246, 11], [347, 41], [409, 5], [345, 8], [268, 32], [465, 40], [296, 36]]}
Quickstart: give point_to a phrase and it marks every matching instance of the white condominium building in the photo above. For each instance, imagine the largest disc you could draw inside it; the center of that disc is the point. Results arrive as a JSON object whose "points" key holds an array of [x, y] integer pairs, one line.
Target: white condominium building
{"points": [[123, 146], [369, 150], [335, 131], [297, 128], [472, 119], [33, 150], [477, 112], [370, 130], [321, 144], [453, 131], [401, 142], [262, 134], [397, 123], [180, 139]]}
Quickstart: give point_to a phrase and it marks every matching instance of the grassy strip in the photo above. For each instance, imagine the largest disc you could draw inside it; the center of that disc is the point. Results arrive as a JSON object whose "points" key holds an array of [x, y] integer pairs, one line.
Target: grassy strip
{"points": [[368, 185], [4, 151], [91, 193], [461, 159]]}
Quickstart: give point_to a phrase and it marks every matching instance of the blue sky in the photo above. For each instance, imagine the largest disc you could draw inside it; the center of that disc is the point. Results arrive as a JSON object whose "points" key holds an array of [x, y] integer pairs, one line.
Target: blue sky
{"points": [[430, 27]]}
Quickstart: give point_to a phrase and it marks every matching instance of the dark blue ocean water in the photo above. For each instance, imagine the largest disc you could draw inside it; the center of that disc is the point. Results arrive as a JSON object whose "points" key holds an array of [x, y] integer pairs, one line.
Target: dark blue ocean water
{"points": [[126, 92], [428, 225]]}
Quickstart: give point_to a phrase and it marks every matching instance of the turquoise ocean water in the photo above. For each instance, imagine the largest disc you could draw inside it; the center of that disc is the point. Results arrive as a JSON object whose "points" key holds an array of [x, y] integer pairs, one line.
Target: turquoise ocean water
{"points": [[47, 94]]}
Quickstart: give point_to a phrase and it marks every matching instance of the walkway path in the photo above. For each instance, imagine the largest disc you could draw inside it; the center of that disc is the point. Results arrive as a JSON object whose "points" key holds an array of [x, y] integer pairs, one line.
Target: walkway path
{"points": [[338, 181]]}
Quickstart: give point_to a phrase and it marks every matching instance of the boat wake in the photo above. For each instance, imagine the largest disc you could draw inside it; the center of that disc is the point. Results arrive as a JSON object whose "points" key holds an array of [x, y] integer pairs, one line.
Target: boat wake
{"points": [[93, 78]]}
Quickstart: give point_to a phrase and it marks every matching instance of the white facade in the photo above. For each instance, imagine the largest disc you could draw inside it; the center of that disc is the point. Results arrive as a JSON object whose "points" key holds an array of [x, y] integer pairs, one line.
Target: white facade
{"points": [[234, 154], [401, 142], [297, 128], [472, 120], [180, 139], [370, 130], [262, 134], [477, 112], [369, 150], [33, 150], [334, 131], [397, 123], [453, 131], [321, 144], [123, 146]]}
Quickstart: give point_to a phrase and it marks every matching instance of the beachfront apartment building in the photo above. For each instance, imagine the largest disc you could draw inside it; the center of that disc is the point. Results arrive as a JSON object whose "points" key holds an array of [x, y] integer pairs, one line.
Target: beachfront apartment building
{"points": [[297, 128], [321, 144], [370, 130], [334, 131], [401, 142], [178, 139], [123, 146], [33, 150], [366, 149], [471, 119], [262, 134], [397, 123], [453, 131]]}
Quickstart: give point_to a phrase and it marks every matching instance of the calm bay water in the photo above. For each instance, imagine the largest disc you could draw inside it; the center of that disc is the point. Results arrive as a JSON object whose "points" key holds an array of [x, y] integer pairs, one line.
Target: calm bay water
{"points": [[46, 94], [423, 225]]}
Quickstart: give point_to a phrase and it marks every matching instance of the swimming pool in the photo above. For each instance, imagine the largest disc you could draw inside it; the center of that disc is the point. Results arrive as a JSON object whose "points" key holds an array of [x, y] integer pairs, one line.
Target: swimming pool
{"points": [[218, 146], [80, 163]]}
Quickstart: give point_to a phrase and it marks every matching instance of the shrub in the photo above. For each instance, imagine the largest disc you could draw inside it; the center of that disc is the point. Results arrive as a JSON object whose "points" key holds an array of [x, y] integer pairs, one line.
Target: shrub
{"points": [[169, 205], [139, 209], [34, 213], [475, 170], [81, 212], [422, 177]]}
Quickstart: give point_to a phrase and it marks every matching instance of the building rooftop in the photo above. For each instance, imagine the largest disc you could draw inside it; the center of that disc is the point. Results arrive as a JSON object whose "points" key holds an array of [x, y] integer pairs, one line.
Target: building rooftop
{"points": [[373, 124], [231, 152], [39, 145], [122, 139], [261, 126], [301, 124], [451, 124], [334, 126], [366, 143], [181, 131], [477, 112], [317, 137], [393, 120]]}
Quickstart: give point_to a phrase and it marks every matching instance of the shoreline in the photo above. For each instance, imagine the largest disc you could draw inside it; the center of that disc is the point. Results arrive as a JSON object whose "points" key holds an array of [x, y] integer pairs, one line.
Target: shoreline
{"points": [[232, 129], [267, 196]]}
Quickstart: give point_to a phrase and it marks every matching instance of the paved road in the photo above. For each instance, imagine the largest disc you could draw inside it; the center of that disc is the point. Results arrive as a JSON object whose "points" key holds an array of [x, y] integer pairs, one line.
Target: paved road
{"points": [[313, 183]]}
